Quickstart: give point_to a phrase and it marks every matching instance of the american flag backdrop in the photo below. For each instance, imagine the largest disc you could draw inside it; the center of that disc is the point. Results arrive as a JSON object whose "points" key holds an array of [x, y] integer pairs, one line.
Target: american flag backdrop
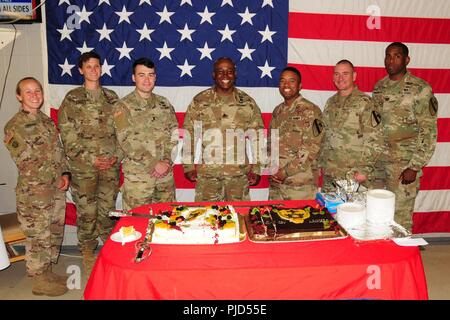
{"points": [[184, 37]]}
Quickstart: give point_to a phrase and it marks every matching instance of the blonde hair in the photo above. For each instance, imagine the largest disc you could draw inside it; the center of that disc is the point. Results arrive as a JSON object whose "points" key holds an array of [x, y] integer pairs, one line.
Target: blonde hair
{"points": [[25, 79]]}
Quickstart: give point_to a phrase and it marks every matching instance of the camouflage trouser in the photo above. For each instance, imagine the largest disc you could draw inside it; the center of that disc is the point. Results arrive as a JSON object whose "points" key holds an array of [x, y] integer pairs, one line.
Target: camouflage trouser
{"points": [[94, 194], [41, 213], [140, 188], [285, 192], [222, 188], [405, 195]]}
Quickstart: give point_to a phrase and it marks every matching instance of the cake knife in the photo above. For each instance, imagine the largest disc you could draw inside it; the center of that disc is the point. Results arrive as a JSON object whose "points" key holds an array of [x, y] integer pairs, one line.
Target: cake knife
{"points": [[144, 245]]}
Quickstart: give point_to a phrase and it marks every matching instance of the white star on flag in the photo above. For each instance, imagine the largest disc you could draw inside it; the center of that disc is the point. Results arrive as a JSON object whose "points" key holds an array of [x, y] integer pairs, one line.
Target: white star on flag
{"points": [[145, 33], [106, 68], [124, 51], [104, 32], [63, 1], [84, 48], [65, 33], [267, 34], [186, 68], [66, 68], [247, 17], [206, 52], [229, 2], [124, 15], [186, 32], [266, 70], [103, 1], [165, 51], [84, 15], [189, 2], [246, 52], [206, 15], [145, 1], [165, 15], [267, 2], [226, 33]]}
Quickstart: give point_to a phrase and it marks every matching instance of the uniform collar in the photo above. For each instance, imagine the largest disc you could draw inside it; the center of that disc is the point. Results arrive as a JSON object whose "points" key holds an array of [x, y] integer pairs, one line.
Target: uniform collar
{"points": [[234, 94], [142, 101]]}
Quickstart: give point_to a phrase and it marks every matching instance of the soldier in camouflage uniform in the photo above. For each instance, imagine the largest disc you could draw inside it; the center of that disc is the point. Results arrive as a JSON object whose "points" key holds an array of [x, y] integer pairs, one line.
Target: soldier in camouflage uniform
{"points": [[144, 123], [34, 145], [299, 126], [85, 120], [354, 140], [409, 113], [217, 109]]}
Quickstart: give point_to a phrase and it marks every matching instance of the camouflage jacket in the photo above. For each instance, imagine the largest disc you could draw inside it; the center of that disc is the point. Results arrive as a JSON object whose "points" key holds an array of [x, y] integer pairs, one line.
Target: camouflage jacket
{"points": [[409, 112], [300, 135], [239, 114], [34, 145], [354, 138], [144, 129], [86, 127]]}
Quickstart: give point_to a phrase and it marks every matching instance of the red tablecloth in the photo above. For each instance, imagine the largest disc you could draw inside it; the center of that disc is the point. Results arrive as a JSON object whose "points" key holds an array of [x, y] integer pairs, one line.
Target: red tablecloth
{"points": [[325, 269]]}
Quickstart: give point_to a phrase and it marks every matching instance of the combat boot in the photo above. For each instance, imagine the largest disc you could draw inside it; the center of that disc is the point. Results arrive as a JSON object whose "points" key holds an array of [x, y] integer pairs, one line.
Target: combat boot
{"points": [[42, 285], [88, 261], [55, 277]]}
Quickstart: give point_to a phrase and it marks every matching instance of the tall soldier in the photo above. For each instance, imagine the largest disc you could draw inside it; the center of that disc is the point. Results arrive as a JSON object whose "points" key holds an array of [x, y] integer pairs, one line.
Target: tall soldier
{"points": [[85, 120], [409, 113], [221, 112], [33, 142], [299, 126], [353, 141], [144, 123]]}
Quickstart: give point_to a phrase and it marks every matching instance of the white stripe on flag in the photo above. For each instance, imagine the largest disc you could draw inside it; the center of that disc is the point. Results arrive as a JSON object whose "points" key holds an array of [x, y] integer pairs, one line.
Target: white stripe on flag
{"points": [[441, 156], [389, 8], [364, 53], [432, 200]]}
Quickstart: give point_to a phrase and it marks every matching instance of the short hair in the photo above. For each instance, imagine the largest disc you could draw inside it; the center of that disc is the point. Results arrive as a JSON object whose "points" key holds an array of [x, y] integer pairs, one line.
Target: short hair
{"points": [[400, 45], [224, 59], [86, 56], [145, 62], [18, 90], [294, 70], [343, 61]]}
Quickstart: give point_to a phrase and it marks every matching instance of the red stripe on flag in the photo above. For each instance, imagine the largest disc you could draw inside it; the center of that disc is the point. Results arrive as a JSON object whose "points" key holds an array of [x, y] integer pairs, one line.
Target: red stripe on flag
{"points": [[443, 128], [71, 214], [354, 27], [429, 222], [316, 77], [435, 178]]}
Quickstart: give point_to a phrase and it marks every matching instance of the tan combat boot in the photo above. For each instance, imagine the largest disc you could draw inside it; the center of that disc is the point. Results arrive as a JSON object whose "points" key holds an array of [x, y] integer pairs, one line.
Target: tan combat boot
{"points": [[55, 277], [88, 261], [42, 285]]}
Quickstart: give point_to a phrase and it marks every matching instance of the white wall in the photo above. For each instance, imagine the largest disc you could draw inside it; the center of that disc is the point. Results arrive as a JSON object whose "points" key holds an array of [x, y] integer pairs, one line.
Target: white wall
{"points": [[26, 61]]}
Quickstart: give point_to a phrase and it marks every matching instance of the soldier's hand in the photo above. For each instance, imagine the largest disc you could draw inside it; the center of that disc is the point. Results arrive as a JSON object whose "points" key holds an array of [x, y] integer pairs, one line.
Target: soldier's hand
{"points": [[63, 183], [253, 178], [279, 177], [408, 176], [161, 169], [102, 163], [359, 177], [191, 175]]}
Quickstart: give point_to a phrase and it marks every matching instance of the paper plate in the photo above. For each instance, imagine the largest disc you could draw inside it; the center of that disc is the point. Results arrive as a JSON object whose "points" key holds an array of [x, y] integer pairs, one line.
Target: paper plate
{"points": [[117, 237]]}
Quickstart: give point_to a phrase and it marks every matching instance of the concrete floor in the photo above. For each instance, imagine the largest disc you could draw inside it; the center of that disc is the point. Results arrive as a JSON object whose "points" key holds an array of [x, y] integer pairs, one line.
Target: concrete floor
{"points": [[14, 285]]}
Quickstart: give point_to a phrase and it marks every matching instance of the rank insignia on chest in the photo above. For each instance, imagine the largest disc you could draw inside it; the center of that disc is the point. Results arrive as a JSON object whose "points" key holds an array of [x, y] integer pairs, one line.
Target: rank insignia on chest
{"points": [[433, 106], [375, 119], [317, 127], [14, 144]]}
